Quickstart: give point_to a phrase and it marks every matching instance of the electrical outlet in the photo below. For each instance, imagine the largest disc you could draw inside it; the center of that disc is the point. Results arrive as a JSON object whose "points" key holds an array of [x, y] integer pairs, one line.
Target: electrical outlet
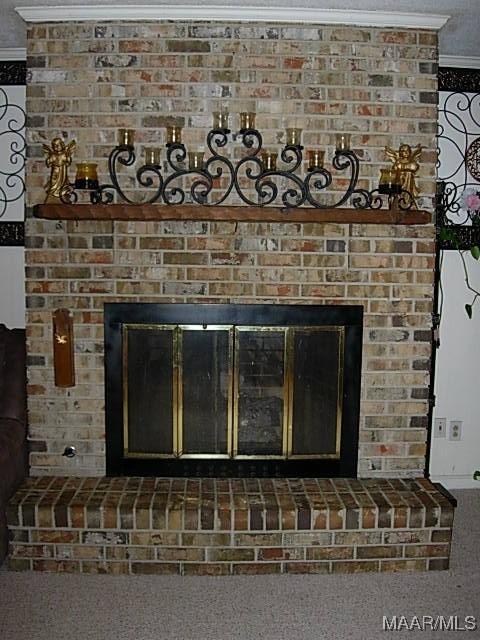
{"points": [[455, 430], [440, 428]]}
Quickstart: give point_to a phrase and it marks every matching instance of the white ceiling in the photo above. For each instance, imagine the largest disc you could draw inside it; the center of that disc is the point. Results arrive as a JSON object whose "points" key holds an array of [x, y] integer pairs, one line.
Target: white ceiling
{"points": [[459, 37]]}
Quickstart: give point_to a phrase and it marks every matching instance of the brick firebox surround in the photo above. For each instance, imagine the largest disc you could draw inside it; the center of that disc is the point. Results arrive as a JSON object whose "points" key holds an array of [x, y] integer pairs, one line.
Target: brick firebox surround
{"points": [[86, 80]]}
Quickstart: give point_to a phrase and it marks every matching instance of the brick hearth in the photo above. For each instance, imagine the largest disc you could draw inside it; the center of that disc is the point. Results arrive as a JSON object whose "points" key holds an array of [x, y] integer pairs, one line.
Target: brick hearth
{"points": [[220, 527]]}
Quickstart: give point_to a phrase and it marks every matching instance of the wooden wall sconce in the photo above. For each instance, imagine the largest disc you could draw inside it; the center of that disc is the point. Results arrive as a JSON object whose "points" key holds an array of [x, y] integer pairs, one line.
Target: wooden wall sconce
{"points": [[63, 356]]}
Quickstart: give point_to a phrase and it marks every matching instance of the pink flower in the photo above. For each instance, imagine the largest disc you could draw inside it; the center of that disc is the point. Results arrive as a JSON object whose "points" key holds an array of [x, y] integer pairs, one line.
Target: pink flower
{"points": [[473, 201], [470, 200]]}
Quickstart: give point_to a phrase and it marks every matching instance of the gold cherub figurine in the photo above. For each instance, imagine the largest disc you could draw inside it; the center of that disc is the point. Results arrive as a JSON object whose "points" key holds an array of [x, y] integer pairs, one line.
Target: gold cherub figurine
{"points": [[58, 158], [404, 161]]}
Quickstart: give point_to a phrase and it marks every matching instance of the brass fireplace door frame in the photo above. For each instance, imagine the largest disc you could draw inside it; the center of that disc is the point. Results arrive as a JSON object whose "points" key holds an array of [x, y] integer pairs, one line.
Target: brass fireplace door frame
{"points": [[232, 418]]}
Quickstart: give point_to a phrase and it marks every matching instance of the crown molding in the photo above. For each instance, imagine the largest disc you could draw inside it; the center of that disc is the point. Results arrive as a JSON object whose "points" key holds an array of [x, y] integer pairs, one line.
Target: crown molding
{"points": [[231, 13], [10, 54], [459, 62]]}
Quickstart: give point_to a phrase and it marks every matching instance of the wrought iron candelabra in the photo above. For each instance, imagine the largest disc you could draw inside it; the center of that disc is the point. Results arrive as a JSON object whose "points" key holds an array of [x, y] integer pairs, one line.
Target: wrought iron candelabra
{"points": [[216, 178]]}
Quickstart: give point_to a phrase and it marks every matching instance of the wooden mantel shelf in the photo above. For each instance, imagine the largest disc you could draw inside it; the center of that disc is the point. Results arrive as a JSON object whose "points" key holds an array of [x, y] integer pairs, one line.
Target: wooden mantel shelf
{"points": [[155, 212]]}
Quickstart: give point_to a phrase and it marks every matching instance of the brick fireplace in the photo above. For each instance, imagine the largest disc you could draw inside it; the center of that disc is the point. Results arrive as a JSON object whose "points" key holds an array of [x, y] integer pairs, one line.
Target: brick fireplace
{"points": [[85, 81]]}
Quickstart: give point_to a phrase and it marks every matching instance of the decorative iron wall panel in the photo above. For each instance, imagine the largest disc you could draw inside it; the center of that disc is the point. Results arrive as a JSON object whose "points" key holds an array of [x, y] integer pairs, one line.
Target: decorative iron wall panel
{"points": [[459, 150], [12, 152], [12, 189]]}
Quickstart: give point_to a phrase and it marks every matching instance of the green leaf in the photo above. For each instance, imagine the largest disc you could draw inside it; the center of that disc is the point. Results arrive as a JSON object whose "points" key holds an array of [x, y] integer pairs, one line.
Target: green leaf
{"points": [[446, 235], [468, 309], [475, 251], [449, 235], [476, 475]]}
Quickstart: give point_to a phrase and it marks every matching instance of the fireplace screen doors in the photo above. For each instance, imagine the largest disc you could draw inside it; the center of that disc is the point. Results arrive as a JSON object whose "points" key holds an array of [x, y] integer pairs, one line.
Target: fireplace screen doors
{"points": [[231, 391], [217, 391]]}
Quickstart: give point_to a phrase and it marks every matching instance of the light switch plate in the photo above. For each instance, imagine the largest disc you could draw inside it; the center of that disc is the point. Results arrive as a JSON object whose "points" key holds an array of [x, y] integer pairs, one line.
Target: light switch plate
{"points": [[440, 428]]}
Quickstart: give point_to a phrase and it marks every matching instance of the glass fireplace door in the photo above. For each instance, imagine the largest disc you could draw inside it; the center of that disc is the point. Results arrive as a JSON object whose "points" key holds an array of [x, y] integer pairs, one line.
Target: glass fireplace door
{"points": [[150, 390], [261, 392], [205, 369], [316, 372]]}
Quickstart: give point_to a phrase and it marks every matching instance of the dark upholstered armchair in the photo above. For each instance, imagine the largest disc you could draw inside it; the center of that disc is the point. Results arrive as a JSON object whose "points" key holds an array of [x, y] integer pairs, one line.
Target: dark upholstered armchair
{"points": [[13, 421]]}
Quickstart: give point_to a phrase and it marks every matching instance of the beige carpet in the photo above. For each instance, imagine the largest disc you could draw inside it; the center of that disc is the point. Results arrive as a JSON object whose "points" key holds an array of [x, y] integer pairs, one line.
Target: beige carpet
{"points": [[40, 606]]}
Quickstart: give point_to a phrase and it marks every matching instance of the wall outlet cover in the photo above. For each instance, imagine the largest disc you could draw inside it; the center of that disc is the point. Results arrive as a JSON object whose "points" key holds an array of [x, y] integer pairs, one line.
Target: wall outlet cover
{"points": [[455, 432]]}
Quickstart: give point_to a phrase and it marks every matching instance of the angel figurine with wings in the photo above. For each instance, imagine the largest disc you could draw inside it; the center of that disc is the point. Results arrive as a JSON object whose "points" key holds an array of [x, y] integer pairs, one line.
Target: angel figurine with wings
{"points": [[58, 158], [405, 162]]}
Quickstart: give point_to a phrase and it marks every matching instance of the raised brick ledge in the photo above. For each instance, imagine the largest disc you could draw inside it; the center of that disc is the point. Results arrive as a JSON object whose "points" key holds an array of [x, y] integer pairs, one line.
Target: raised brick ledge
{"points": [[224, 526]]}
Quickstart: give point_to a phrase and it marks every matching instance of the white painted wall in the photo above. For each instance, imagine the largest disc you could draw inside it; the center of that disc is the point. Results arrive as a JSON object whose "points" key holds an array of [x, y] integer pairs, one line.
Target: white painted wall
{"points": [[12, 279], [457, 378], [12, 296], [457, 373]]}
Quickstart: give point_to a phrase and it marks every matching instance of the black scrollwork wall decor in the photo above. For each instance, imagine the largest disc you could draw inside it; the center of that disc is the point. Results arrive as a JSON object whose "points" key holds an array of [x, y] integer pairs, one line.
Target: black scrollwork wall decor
{"points": [[458, 196], [459, 157], [472, 159], [12, 143]]}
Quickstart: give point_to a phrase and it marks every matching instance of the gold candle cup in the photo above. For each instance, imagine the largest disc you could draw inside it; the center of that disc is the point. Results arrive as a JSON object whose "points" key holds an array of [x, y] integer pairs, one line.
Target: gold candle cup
{"points": [[294, 137], [195, 160], [342, 141], [316, 158], [174, 135], [269, 161], [86, 176], [389, 183], [152, 156], [220, 120], [247, 120], [126, 137]]}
